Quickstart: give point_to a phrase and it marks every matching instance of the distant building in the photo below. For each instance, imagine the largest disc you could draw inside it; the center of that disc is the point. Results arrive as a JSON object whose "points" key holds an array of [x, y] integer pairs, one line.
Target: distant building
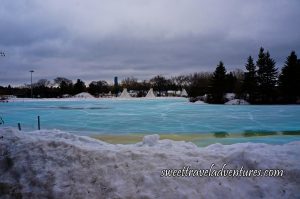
{"points": [[116, 81], [116, 85]]}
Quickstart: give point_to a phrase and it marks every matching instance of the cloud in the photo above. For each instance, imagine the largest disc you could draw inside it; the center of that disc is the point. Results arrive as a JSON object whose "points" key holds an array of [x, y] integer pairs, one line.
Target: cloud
{"points": [[98, 39]]}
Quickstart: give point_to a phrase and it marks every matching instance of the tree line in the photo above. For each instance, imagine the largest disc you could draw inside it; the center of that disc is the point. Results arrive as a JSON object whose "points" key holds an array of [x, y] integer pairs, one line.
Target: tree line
{"points": [[259, 83]]}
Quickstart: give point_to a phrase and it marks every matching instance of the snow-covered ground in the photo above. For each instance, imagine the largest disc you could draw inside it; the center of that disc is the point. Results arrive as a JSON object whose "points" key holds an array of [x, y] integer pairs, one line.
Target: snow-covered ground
{"points": [[55, 164]]}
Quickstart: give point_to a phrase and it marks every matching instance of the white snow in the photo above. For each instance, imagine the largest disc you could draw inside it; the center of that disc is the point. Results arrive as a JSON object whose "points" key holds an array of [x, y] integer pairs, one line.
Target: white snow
{"points": [[55, 164], [199, 102], [237, 102], [125, 94], [229, 96], [66, 96], [151, 140], [83, 95]]}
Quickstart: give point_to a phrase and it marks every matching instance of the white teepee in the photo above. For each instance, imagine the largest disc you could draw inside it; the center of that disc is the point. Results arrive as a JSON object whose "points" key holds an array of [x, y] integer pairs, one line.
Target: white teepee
{"points": [[184, 93], [125, 94], [150, 94]]}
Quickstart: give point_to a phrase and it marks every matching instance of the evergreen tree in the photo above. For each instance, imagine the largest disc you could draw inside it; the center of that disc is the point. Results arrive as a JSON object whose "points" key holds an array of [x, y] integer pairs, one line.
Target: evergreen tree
{"points": [[289, 80], [65, 88], [266, 76], [231, 81], [297, 87], [79, 87], [250, 81], [218, 84]]}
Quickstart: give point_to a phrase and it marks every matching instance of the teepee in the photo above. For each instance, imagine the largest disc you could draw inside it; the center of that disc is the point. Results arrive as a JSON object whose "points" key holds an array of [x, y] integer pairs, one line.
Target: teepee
{"points": [[184, 93], [150, 94], [125, 94]]}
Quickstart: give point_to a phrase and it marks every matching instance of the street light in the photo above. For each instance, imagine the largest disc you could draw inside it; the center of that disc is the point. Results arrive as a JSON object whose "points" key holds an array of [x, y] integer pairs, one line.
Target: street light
{"points": [[31, 83]]}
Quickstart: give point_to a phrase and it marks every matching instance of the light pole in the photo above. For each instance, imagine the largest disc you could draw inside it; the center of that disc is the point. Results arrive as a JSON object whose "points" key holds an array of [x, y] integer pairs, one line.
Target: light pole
{"points": [[31, 83]]}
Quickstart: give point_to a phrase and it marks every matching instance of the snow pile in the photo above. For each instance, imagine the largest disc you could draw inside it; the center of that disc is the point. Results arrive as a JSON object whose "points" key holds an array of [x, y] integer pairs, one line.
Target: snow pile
{"points": [[83, 95], [229, 96], [199, 102], [150, 94], [125, 94], [150, 140], [237, 102], [54, 164]]}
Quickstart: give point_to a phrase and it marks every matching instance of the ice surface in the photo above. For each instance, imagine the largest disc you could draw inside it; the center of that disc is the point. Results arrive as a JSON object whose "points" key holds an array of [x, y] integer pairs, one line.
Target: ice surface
{"points": [[147, 115], [55, 164]]}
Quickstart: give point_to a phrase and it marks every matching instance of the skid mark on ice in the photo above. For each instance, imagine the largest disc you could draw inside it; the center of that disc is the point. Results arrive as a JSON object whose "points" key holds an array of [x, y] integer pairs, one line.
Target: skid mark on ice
{"points": [[163, 116], [250, 116], [256, 123]]}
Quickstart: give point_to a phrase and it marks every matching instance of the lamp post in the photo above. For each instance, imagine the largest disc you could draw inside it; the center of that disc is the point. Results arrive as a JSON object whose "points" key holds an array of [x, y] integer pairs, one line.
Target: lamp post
{"points": [[31, 71]]}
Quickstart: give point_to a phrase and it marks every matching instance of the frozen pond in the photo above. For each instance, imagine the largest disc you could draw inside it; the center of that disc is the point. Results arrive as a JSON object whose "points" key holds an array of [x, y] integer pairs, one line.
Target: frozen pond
{"points": [[111, 116]]}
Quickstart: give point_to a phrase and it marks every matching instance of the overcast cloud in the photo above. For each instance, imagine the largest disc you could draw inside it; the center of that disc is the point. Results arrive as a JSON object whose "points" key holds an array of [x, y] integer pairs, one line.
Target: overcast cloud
{"points": [[98, 39]]}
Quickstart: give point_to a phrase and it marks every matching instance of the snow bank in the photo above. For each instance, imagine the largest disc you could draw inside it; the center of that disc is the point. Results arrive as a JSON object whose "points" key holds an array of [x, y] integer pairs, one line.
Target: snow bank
{"points": [[199, 102], [44, 164], [237, 102], [151, 140], [229, 96]]}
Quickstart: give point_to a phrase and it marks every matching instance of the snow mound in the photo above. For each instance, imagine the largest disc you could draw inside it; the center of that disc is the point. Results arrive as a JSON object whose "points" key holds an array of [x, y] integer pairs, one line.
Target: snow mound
{"points": [[55, 164], [83, 95], [150, 140], [230, 96], [237, 102], [199, 102]]}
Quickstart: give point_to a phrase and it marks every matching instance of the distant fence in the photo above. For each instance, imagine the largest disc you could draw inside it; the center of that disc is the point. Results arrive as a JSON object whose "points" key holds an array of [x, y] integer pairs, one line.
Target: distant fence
{"points": [[39, 124], [19, 124]]}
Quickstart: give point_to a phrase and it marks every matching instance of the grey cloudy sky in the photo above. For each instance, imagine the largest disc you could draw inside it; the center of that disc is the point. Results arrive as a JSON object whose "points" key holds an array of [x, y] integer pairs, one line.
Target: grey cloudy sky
{"points": [[100, 39]]}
